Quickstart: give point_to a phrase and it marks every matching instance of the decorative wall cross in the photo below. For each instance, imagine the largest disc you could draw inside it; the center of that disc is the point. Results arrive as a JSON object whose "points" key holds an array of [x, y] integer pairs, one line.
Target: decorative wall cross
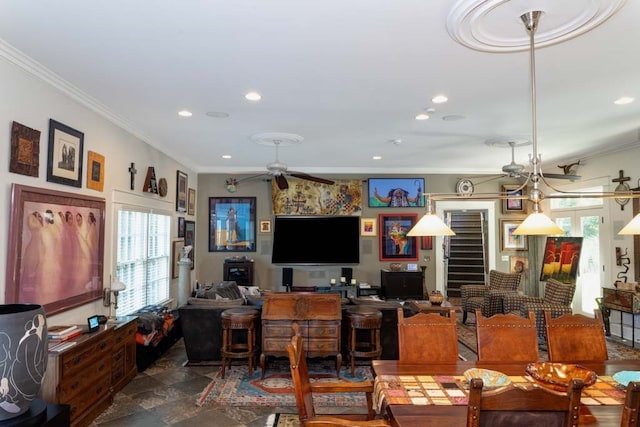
{"points": [[133, 171], [621, 188]]}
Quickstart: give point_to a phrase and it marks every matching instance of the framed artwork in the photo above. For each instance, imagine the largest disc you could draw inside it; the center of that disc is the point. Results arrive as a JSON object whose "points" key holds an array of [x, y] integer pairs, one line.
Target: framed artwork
{"points": [[426, 242], [176, 253], [190, 239], [25, 150], [181, 192], [518, 264], [181, 227], [368, 227], [394, 244], [232, 224], [47, 263], [517, 206], [561, 259], [511, 242], [64, 165], [192, 202], [265, 226], [396, 192], [95, 171]]}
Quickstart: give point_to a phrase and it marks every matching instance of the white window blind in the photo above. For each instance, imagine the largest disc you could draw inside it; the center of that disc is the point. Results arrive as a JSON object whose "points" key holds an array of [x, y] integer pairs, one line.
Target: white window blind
{"points": [[142, 258]]}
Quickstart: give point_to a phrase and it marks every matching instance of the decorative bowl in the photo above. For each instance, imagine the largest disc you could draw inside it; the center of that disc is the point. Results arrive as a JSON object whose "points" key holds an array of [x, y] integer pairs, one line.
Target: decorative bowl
{"points": [[625, 377], [557, 376], [436, 298], [395, 266], [490, 379]]}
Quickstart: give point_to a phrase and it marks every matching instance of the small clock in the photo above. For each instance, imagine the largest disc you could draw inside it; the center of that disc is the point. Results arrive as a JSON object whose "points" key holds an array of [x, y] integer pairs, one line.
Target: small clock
{"points": [[464, 187], [162, 187]]}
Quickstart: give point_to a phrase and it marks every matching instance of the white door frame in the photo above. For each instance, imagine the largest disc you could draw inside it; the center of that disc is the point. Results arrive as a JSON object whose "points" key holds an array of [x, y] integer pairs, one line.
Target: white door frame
{"points": [[446, 205]]}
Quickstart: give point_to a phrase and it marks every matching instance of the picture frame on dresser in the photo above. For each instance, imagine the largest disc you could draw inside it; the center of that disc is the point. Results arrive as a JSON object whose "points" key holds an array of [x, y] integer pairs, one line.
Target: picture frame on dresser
{"points": [[69, 271], [394, 243]]}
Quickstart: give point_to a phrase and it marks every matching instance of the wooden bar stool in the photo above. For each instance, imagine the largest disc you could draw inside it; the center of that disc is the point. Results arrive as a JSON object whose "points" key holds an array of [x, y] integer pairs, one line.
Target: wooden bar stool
{"points": [[363, 318], [239, 319]]}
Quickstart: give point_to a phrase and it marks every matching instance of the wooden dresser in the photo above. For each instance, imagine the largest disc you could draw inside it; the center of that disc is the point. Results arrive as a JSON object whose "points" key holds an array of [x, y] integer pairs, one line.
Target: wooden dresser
{"points": [[88, 374], [319, 317]]}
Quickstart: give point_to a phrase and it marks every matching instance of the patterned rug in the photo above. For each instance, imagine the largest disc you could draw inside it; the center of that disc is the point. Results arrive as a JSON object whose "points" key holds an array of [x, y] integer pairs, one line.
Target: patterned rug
{"points": [[616, 351], [238, 389]]}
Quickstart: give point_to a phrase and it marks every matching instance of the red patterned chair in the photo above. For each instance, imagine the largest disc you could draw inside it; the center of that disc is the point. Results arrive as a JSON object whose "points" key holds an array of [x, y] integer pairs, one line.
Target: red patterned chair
{"points": [[488, 298]]}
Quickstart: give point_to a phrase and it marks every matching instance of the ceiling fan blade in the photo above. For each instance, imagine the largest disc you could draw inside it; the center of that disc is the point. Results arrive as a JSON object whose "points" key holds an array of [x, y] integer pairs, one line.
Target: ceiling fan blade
{"points": [[281, 181], [561, 176], [308, 177]]}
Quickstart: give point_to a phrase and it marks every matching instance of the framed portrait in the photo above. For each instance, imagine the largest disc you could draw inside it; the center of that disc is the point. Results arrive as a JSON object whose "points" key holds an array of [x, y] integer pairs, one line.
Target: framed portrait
{"points": [[396, 192], [176, 254], [426, 242], [181, 192], [561, 259], [518, 264], [64, 164], [232, 224], [181, 226], [192, 202], [515, 205], [394, 244], [47, 263], [368, 227], [190, 239], [25, 150], [511, 242], [265, 226], [95, 171]]}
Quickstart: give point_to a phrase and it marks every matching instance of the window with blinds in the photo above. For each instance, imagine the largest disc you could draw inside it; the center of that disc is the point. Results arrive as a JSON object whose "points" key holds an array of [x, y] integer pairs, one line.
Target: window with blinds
{"points": [[142, 259]]}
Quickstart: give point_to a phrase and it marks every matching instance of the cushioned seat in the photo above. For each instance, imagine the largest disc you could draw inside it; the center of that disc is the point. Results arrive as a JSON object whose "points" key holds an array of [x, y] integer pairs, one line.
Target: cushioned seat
{"points": [[488, 298], [556, 300]]}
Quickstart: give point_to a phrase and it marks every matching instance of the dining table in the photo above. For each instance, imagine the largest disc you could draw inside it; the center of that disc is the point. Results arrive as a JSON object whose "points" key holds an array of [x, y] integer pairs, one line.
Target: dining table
{"points": [[434, 394]]}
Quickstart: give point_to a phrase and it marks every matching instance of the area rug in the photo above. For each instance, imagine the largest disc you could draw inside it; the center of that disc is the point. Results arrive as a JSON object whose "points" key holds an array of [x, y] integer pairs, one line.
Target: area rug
{"points": [[616, 351], [276, 389]]}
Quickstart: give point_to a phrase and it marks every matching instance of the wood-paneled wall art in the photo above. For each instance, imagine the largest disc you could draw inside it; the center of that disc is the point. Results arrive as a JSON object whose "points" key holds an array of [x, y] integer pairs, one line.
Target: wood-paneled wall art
{"points": [[25, 150]]}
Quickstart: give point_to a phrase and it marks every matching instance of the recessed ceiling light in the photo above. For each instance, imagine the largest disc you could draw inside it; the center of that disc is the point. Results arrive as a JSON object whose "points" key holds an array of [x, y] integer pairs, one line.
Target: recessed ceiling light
{"points": [[253, 96], [396, 141], [623, 100], [439, 99], [422, 116], [185, 113], [226, 156], [217, 114], [377, 157], [452, 117]]}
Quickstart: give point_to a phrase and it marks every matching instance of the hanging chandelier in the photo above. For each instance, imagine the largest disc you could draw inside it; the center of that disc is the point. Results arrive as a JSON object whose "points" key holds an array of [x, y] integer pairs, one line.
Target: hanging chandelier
{"points": [[536, 223]]}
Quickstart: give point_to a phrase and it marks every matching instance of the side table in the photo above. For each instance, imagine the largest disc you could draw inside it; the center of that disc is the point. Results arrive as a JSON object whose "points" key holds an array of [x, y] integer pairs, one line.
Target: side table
{"points": [[423, 306]]}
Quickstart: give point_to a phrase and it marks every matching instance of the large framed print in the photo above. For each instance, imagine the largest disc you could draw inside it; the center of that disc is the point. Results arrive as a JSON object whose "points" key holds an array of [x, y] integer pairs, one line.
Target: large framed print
{"points": [[561, 259], [56, 248], [64, 164], [394, 244], [510, 241], [232, 224], [396, 192]]}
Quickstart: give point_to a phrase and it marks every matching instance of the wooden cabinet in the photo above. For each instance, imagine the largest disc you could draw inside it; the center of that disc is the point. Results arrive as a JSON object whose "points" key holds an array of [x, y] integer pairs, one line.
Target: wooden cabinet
{"points": [[318, 316], [123, 363], [82, 376], [401, 284]]}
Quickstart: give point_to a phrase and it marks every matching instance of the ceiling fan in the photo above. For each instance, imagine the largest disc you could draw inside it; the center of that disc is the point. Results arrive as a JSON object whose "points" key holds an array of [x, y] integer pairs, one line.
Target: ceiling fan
{"points": [[277, 169]]}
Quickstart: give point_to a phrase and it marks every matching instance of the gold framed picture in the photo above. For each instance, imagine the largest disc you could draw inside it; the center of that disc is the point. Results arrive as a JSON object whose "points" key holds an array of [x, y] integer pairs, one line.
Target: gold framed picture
{"points": [[368, 227], [95, 171], [191, 210]]}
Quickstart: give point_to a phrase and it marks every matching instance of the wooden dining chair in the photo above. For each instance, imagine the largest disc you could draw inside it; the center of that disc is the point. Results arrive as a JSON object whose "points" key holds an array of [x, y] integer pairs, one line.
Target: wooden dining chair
{"points": [[507, 338], [304, 390], [631, 406], [513, 406], [576, 337], [427, 337]]}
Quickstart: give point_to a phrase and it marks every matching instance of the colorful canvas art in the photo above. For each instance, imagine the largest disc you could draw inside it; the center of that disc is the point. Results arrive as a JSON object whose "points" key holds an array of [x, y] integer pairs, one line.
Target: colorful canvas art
{"points": [[561, 258], [305, 197]]}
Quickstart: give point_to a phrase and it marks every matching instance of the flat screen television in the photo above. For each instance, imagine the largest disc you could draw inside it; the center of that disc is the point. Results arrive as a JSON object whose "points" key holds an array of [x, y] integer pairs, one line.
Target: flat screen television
{"points": [[315, 240]]}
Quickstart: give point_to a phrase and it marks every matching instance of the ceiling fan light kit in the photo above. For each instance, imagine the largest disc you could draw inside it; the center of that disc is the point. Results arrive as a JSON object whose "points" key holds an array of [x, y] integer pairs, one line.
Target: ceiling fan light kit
{"points": [[537, 223]]}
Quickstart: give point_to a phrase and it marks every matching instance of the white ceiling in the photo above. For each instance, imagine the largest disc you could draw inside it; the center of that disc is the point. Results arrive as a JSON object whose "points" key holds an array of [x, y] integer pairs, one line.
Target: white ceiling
{"points": [[349, 77]]}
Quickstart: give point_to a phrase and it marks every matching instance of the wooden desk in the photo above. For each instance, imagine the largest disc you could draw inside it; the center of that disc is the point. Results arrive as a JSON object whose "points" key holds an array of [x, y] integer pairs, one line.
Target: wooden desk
{"points": [[456, 415], [423, 306]]}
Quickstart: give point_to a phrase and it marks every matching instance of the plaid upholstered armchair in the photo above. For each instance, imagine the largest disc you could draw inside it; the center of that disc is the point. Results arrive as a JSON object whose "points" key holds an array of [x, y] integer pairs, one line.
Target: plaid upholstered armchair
{"points": [[556, 300], [488, 298]]}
